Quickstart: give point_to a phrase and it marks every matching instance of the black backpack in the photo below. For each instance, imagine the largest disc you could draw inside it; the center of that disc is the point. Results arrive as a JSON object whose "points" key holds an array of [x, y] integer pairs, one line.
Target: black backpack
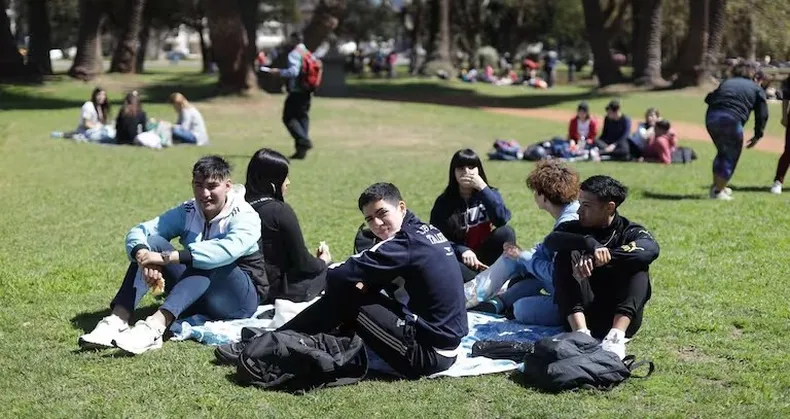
{"points": [[296, 362], [575, 360]]}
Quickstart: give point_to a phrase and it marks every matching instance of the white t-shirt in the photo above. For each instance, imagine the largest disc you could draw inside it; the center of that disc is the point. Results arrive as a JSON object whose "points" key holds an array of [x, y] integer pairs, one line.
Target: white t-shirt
{"points": [[583, 127], [88, 113]]}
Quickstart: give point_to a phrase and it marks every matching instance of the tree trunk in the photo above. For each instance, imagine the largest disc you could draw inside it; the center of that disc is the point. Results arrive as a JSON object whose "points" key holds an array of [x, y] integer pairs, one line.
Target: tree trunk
{"points": [[229, 45], [605, 68], [38, 19], [249, 15], [11, 61], [416, 37], [433, 31], [692, 70], [205, 51], [647, 53], [142, 50], [324, 21], [716, 22], [124, 59], [751, 23], [88, 61], [440, 58]]}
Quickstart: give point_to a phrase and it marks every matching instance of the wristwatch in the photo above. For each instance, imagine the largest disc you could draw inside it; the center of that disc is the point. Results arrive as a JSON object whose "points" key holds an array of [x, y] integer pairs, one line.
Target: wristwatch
{"points": [[166, 257]]}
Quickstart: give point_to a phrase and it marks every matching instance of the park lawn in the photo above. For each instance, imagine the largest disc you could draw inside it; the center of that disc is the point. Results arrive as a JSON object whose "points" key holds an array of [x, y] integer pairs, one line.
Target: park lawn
{"points": [[716, 325]]}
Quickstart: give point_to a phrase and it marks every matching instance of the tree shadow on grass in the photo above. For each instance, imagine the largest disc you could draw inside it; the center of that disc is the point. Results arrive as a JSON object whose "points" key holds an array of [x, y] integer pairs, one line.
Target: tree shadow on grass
{"points": [[449, 95], [195, 87], [13, 99], [671, 197], [750, 188], [87, 321]]}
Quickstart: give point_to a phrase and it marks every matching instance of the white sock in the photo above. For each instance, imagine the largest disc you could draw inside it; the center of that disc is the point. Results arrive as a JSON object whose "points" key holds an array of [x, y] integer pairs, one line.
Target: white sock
{"points": [[615, 335], [585, 331]]}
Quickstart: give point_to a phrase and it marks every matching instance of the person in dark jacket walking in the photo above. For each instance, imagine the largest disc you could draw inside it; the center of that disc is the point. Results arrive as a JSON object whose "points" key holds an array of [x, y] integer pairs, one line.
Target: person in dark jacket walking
{"points": [[601, 269], [416, 336], [294, 274], [296, 112], [472, 215], [131, 120], [729, 107]]}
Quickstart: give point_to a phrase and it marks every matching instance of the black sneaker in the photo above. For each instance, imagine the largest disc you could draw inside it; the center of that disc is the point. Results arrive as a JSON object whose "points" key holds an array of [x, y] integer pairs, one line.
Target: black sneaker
{"points": [[300, 154], [229, 353], [492, 306]]}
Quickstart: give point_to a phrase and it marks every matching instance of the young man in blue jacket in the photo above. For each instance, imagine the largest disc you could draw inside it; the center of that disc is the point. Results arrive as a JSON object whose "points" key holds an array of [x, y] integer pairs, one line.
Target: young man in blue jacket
{"points": [[219, 272], [418, 333], [296, 112], [601, 270]]}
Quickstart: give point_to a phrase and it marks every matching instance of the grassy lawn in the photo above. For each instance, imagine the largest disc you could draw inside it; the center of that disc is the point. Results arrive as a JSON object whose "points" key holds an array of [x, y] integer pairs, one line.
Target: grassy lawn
{"points": [[716, 327]]}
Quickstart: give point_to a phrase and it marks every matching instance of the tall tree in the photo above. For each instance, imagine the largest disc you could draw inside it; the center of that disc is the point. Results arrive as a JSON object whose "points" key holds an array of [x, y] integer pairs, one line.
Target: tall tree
{"points": [[88, 60], [692, 71], [142, 45], [125, 57], [229, 45], [440, 54], [249, 15], [605, 68], [38, 21], [646, 33], [11, 61], [325, 20], [417, 13]]}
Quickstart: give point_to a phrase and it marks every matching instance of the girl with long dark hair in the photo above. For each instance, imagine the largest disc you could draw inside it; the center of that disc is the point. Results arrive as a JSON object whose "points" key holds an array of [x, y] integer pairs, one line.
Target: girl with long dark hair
{"points": [[131, 119], [293, 272], [472, 215], [94, 115]]}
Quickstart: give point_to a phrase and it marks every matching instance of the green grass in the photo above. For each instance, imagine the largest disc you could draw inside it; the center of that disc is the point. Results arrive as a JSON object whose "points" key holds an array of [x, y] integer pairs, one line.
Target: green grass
{"points": [[717, 325]]}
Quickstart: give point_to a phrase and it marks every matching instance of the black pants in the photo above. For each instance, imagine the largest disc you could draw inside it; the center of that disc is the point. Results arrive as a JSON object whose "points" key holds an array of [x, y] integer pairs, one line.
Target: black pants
{"points": [[490, 250], [377, 320], [620, 153], [608, 292], [296, 117]]}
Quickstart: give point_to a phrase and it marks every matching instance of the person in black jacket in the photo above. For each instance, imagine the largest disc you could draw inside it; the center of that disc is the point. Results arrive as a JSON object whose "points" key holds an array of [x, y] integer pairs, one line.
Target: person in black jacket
{"points": [[729, 107], [131, 120], [294, 274], [601, 269], [418, 335], [472, 215]]}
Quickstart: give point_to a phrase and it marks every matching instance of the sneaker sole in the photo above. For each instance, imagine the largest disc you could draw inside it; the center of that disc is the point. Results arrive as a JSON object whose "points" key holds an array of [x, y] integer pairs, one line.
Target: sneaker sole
{"points": [[225, 357], [86, 344], [137, 351]]}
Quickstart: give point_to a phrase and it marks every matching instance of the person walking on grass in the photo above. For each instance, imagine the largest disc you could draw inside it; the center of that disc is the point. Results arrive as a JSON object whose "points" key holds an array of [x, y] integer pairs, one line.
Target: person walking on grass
{"points": [[729, 107], [219, 273], [296, 112], [784, 161]]}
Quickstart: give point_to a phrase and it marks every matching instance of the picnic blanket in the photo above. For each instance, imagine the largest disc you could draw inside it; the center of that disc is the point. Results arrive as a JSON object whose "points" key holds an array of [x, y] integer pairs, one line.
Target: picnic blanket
{"points": [[481, 327]]}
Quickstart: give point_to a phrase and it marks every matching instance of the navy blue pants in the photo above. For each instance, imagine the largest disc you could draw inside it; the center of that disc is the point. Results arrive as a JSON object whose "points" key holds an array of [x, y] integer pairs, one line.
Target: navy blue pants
{"points": [[220, 294], [726, 131]]}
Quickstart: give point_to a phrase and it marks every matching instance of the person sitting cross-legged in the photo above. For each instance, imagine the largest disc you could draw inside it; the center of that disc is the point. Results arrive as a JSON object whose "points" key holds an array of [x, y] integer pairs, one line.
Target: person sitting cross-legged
{"points": [[555, 187], [417, 328], [219, 273], [601, 270]]}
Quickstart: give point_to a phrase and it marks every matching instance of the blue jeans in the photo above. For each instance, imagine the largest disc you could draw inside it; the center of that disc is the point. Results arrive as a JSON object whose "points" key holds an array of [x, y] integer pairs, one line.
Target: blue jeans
{"points": [[221, 294], [726, 131], [530, 306], [183, 135]]}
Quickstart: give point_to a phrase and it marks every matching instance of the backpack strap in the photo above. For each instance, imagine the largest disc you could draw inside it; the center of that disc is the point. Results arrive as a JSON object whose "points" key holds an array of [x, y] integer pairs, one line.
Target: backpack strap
{"points": [[632, 364]]}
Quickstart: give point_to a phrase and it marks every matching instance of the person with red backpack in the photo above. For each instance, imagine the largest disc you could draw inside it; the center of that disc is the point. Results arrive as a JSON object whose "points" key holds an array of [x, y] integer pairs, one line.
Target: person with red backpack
{"points": [[304, 77]]}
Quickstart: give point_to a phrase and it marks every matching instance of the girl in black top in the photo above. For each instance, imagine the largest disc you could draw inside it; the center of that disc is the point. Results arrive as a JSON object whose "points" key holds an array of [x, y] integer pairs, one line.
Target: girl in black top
{"points": [[130, 121], [294, 273], [472, 215]]}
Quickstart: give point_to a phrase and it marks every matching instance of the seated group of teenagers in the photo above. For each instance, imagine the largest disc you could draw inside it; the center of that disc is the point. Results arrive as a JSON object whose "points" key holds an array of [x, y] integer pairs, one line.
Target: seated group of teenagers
{"points": [[406, 294], [133, 127]]}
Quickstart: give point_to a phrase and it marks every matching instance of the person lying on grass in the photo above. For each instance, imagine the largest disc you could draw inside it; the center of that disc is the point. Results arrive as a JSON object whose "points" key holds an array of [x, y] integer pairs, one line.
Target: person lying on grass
{"points": [[555, 187], [601, 270], [418, 326], [472, 215], [219, 273]]}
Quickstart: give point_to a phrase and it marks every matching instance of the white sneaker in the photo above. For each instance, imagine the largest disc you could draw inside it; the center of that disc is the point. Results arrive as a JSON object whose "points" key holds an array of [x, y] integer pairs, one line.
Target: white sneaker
{"points": [[615, 342], [103, 334], [721, 195], [144, 336], [777, 188]]}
